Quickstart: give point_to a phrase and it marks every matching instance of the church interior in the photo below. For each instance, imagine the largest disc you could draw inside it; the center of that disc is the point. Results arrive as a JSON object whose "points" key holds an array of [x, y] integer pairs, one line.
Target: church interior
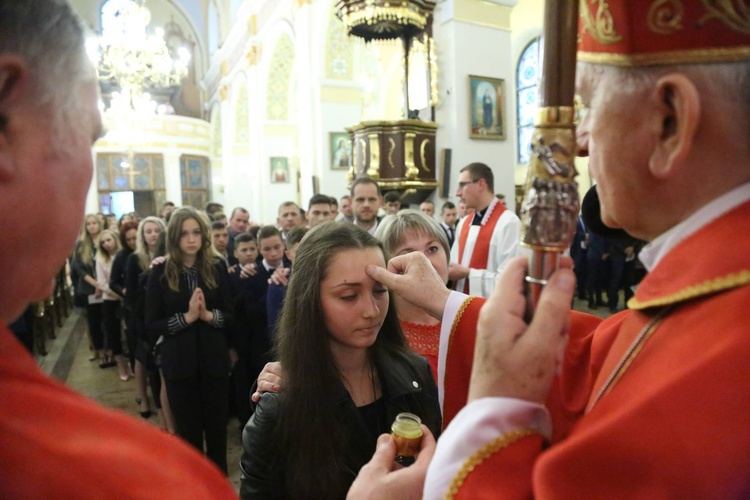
{"points": [[346, 248], [255, 97], [253, 103]]}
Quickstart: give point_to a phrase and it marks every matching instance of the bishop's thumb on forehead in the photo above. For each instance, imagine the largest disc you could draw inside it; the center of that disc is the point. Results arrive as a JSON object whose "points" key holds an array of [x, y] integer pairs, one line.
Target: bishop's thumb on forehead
{"points": [[380, 274]]}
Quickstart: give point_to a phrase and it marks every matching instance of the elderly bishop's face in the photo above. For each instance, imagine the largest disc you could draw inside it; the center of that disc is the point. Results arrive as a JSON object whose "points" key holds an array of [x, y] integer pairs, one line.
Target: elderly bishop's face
{"points": [[614, 134]]}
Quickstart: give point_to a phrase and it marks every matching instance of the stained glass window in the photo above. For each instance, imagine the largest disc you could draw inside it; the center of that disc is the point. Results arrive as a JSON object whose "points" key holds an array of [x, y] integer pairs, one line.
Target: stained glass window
{"points": [[195, 179], [114, 172], [527, 97]]}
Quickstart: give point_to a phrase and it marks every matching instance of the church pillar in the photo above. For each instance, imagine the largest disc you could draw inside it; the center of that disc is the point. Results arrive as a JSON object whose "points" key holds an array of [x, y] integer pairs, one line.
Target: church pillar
{"points": [[92, 197], [172, 178], [308, 124], [473, 37]]}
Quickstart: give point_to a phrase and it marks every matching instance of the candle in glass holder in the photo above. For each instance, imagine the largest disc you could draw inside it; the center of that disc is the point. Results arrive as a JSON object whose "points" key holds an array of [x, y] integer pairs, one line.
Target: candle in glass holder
{"points": [[406, 432]]}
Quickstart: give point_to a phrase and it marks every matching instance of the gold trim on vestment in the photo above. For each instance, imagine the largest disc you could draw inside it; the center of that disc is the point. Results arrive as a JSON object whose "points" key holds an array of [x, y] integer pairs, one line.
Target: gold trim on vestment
{"points": [[483, 454], [629, 356], [636, 350], [716, 55], [457, 319], [707, 287]]}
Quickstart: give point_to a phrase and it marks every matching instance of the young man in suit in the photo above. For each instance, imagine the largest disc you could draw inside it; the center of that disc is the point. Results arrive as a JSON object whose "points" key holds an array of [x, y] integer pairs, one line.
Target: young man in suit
{"points": [[252, 341], [366, 201]]}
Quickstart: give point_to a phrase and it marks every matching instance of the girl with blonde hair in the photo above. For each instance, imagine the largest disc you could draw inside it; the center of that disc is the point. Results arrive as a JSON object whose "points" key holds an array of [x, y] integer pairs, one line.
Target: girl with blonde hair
{"points": [[412, 231], [146, 249], [83, 265], [106, 250]]}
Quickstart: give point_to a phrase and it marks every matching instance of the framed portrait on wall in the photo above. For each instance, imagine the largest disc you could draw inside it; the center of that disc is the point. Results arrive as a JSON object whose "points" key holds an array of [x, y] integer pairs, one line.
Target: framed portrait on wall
{"points": [[486, 108], [341, 150], [279, 169]]}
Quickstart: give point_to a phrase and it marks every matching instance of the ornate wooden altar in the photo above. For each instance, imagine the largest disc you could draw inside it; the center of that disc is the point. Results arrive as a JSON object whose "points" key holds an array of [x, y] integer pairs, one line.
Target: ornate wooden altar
{"points": [[399, 154]]}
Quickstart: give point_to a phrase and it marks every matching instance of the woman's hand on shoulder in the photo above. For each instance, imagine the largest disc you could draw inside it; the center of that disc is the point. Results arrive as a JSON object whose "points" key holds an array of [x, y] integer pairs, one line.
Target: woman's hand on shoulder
{"points": [[248, 270], [157, 261], [269, 380], [280, 276]]}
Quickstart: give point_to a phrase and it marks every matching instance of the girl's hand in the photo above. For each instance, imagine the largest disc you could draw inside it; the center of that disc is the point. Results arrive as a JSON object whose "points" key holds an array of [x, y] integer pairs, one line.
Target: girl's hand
{"points": [[205, 314], [194, 307]]}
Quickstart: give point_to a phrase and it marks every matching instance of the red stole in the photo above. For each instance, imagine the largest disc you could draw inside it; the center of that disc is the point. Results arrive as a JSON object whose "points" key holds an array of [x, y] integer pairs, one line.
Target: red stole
{"points": [[460, 358], [481, 252]]}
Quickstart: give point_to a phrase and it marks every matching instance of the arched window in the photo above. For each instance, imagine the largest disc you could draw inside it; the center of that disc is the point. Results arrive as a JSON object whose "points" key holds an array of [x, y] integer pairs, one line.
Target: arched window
{"points": [[527, 97]]}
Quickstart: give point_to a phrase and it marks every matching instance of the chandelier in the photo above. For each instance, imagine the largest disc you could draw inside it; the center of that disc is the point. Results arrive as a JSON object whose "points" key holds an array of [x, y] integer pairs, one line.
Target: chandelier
{"points": [[130, 59], [384, 19]]}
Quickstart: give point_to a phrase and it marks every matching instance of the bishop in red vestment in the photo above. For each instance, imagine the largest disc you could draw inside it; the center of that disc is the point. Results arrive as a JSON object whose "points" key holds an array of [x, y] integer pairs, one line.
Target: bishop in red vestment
{"points": [[652, 402]]}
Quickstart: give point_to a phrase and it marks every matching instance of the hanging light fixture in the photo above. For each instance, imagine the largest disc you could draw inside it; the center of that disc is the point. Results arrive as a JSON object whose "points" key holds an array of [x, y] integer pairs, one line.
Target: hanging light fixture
{"points": [[384, 19], [134, 61]]}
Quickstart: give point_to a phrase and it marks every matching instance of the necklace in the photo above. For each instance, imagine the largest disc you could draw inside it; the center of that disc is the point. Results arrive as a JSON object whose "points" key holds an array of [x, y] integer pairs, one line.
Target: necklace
{"points": [[361, 398], [627, 359]]}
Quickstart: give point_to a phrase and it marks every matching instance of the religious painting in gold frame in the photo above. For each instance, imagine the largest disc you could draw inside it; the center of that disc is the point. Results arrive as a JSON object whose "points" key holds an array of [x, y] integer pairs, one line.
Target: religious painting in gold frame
{"points": [[486, 108]]}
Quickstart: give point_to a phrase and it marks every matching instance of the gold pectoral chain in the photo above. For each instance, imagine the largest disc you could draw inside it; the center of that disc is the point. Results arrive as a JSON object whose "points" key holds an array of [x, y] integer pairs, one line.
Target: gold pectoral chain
{"points": [[631, 353]]}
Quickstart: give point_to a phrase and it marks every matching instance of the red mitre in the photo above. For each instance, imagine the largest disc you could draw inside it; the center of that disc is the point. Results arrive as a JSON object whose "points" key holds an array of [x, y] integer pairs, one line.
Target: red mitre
{"points": [[653, 32]]}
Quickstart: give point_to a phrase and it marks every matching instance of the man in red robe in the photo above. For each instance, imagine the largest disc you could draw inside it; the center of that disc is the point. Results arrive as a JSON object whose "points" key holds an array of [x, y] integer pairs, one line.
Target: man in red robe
{"points": [[487, 238], [654, 401], [54, 443]]}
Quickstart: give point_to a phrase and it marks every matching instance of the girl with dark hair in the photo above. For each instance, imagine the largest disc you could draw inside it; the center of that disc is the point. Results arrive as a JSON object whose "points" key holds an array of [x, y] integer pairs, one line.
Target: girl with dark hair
{"points": [[189, 304], [128, 236], [348, 373], [126, 218]]}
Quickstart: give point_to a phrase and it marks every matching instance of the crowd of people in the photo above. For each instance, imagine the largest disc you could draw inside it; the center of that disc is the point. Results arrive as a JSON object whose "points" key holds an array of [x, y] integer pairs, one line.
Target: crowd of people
{"points": [[207, 300], [605, 264], [651, 401]]}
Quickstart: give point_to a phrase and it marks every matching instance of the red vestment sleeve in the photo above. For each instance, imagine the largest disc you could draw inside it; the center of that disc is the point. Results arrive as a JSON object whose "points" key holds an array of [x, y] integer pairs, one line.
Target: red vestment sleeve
{"points": [[504, 466], [460, 358], [479, 480]]}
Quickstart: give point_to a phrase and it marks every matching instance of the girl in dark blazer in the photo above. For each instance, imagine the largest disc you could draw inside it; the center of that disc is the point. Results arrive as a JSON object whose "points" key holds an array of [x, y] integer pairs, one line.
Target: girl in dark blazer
{"points": [[84, 267], [188, 303], [347, 374], [128, 236], [151, 231]]}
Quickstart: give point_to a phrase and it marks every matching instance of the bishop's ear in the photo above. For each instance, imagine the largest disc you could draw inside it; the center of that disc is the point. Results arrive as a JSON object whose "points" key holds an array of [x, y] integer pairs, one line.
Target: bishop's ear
{"points": [[679, 110], [13, 81]]}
